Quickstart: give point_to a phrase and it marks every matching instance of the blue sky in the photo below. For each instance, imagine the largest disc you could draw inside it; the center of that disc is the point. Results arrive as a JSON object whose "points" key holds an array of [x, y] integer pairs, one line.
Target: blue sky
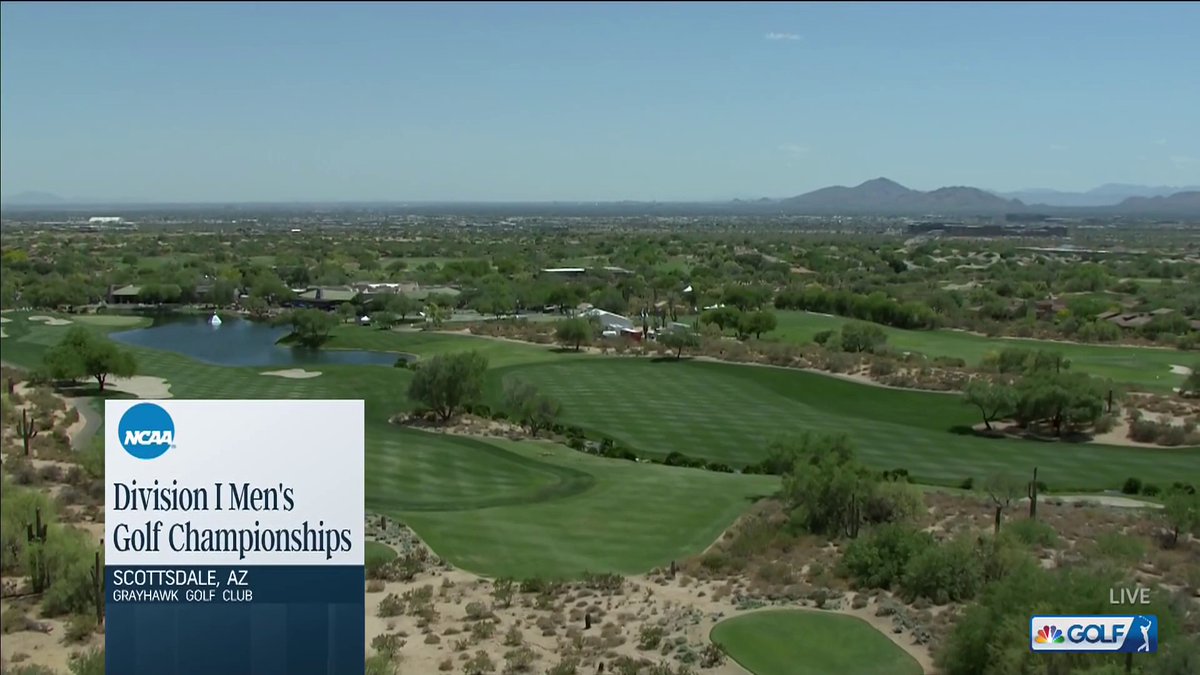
{"points": [[307, 101]]}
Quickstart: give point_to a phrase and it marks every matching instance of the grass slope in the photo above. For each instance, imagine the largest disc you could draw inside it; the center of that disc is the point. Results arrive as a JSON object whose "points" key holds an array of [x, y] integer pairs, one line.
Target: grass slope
{"points": [[632, 518], [728, 413], [1146, 367], [496, 507], [798, 642]]}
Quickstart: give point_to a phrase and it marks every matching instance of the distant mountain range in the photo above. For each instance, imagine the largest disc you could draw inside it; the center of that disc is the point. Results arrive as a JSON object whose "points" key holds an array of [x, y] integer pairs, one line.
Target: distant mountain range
{"points": [[876, 197], [34, 199], [1109, 194], [881, 195]]}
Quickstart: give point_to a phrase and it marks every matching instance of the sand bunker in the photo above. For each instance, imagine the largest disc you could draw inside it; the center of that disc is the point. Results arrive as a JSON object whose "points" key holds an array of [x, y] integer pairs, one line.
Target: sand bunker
{"points": [[294, 373], [3, 334], [50, 321], [1181, 370], [4, 319], [142, 386]]}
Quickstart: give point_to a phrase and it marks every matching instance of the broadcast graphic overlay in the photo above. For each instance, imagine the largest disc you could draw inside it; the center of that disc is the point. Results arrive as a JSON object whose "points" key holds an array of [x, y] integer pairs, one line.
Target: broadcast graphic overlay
{"points": [[1103, 633], [233, 537]]}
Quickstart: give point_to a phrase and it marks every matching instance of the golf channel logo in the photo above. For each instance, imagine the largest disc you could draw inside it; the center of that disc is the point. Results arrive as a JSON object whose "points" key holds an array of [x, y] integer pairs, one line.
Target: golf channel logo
{"points": [[146, 431], [1101, 633]]}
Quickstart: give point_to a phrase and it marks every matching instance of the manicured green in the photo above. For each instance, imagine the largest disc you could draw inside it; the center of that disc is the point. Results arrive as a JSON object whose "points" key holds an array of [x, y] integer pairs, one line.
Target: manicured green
{"points": [[375, 553], [1144, 366], [803, 642]]}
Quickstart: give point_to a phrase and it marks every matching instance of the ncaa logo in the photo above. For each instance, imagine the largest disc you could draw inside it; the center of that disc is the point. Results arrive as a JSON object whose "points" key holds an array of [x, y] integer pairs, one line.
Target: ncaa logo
{"points": [[146, 431]]}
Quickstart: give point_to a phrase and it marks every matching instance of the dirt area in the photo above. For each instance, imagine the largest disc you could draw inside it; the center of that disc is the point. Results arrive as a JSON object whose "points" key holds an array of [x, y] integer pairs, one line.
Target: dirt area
{"points": [[51, 321], [446, 615], [43, 644], [464, 425], [293, 373], [142, 386]]}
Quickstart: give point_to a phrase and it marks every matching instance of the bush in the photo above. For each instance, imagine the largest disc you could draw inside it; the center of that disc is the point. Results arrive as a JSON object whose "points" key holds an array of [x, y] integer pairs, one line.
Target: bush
{"points": [[80, 628], [380, 664], [1031, 532], [1143, 431], [1151, 490], [879, 559], [518, 660], [90, 662], [650, 637], [1132, 486], [68, 555], [892, 502], [480, 664], [826, 336], [948, 572], [968, 484]]}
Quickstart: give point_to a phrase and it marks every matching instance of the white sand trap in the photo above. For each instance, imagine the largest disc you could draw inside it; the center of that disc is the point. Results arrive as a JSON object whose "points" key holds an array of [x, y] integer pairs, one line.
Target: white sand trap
{"points": [[50, 321], [142, 386], [1181, 370], [3, 334], [4, 319], [294, 373]]}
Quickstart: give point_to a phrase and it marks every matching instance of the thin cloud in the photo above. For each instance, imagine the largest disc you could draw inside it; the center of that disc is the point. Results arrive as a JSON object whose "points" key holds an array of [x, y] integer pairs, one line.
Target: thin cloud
{"points": [[793, 149], [781, 36]]}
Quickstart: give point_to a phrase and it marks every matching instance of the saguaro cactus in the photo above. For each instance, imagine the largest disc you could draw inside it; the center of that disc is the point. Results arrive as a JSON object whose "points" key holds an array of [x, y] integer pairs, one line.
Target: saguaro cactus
{"points": [[1033, 495], [36, 532], [98, 589], [39, 575], [26, 429]]}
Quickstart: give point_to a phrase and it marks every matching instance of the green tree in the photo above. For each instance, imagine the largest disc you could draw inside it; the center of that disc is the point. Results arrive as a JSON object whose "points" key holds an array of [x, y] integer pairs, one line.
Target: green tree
{"points": [[722, 317], [827, 488], [1182, 512], [1191, 385], [346, 312], [311, 327], [447, 383], [575, 332], [994, 400], [402, 305], [534, 410], [756, 323], [384, 319], [257, 307], [859, 336], [679, 340], [82, 353], [1064, 400], [1003, 490]]}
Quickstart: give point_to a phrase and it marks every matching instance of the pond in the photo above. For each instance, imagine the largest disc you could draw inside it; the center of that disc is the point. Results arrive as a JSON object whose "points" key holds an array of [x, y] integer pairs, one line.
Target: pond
{"points": [[240, 342]]}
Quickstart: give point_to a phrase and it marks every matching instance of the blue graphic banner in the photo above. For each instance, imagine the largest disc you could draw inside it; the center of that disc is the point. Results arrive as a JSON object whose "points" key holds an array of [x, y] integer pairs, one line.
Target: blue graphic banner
{"points": [[235, 620]]}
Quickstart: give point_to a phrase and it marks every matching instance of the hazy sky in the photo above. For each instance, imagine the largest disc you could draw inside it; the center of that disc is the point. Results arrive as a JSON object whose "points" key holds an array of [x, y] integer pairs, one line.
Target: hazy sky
{"points": [[275, 101]]}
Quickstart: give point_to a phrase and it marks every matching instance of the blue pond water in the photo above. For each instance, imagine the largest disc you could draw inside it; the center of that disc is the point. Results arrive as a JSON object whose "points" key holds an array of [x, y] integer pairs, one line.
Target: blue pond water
{"points": [[239, 342]]}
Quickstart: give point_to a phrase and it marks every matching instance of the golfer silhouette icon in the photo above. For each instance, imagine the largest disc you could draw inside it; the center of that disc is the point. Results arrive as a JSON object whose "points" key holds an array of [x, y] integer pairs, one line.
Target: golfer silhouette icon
{"points": [[1145, 636]]}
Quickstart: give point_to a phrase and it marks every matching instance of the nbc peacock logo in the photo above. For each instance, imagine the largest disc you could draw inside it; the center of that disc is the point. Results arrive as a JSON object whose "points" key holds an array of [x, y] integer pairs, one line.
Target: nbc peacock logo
{"points": [[1049, 635]]}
